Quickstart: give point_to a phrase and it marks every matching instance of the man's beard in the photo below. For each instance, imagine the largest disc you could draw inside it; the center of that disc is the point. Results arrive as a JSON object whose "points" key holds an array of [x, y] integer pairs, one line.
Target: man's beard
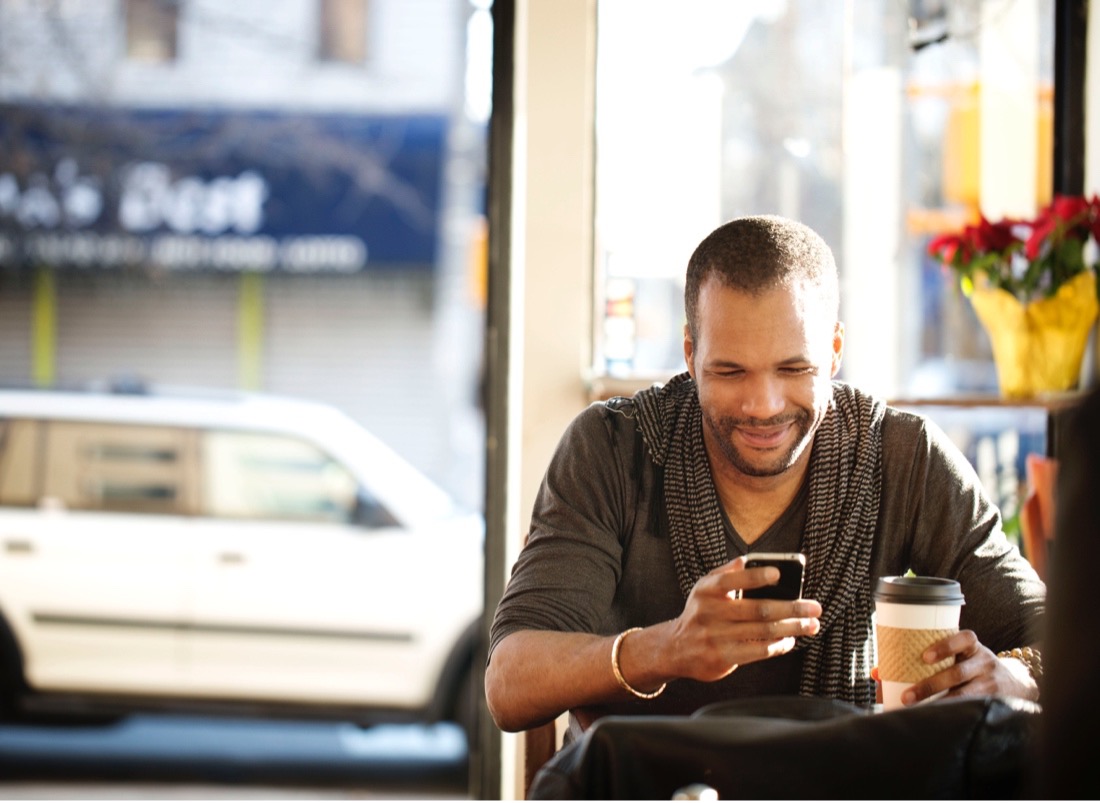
{"points": [[722, 429]]}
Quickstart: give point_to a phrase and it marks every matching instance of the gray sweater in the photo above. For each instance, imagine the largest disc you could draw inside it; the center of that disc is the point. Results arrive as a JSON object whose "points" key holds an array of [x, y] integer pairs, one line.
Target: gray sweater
{"points": [[598, 558]]}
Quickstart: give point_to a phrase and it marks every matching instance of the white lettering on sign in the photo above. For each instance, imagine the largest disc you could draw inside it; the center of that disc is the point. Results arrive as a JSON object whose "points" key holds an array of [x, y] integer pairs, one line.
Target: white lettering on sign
{"points": [[313, 254], [179, 252], [190, 252], [85, 249], [65, 199], [150, 199]]}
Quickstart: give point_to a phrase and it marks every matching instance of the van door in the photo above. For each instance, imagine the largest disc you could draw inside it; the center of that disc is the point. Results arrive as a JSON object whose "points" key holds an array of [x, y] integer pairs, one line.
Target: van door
{"points": [[94, 572], [296, 602]]}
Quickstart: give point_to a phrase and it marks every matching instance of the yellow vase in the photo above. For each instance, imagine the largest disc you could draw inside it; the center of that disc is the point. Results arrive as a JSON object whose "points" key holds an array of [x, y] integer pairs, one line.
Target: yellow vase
{"points": [[1038, 347]]}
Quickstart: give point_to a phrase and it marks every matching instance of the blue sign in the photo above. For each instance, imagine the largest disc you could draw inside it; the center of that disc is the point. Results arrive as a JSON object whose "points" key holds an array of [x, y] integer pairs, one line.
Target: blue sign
{"points": [[101, 188]]}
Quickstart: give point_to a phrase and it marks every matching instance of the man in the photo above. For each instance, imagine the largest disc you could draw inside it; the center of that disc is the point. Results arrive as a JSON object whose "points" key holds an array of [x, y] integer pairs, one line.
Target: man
{"points": [[625, 597]]}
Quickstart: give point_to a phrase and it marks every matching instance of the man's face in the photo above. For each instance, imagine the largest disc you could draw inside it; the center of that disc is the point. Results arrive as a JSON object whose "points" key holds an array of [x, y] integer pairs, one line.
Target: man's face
{"points": [[763, 365]]}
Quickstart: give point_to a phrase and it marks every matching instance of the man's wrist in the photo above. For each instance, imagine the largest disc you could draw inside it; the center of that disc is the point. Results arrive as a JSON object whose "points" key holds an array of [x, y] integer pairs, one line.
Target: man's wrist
{"points": [[1029, 657], [1031, 660], [616, 669]]}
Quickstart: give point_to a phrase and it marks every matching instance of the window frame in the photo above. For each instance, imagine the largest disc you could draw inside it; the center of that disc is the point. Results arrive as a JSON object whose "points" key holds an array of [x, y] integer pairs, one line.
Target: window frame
{"points": [[151, 31], [342, 32]]}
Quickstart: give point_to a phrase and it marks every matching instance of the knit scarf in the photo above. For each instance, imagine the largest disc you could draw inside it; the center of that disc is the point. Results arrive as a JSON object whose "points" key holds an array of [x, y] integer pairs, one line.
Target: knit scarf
{"points": [[845, 484]]}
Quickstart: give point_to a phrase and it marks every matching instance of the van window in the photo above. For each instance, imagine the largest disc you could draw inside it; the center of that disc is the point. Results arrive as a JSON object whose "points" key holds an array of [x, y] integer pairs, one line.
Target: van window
{"points": [[267, 476], [18, 462], [123, 468]]}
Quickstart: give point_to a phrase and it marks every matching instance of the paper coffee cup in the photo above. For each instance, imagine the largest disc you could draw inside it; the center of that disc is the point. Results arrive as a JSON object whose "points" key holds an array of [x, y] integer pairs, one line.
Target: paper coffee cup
{"points": [[911, 614]]}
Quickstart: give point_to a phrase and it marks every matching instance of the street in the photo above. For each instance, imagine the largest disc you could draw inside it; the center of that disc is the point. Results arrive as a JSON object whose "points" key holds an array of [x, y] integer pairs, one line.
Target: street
{"points": [[195, 757]]}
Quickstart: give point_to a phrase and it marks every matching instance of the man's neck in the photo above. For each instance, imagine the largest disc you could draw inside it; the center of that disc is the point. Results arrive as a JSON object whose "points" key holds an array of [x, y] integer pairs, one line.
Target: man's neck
{"points": [[753, 504]]}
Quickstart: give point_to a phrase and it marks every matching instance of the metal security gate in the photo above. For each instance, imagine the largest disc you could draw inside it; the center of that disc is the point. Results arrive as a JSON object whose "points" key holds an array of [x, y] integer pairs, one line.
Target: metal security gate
{"points": [[175, 330], [366, 343]]}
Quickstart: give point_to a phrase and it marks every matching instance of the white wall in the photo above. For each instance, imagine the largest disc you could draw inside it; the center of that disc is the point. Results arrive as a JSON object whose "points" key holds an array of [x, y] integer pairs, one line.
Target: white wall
{"points": [[551, 257]]}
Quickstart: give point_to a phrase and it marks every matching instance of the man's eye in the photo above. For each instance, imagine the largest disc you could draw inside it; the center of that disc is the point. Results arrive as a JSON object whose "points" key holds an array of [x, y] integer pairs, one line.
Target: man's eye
{"points": [[797, 370]]}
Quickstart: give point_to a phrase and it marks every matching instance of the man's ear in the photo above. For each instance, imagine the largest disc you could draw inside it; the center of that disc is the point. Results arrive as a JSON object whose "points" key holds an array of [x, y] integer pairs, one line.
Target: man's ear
{"points": [[838, 347], [689, 351]]}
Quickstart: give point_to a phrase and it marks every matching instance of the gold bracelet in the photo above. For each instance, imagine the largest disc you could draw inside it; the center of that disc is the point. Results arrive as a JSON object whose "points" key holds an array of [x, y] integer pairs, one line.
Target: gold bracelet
{"points": [[1029, 657], [618, 672]]}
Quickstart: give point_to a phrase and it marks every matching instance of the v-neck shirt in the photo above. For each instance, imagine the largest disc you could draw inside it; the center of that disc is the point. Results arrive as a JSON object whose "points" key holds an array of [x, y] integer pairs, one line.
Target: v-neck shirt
{"points": [[782, 535]]}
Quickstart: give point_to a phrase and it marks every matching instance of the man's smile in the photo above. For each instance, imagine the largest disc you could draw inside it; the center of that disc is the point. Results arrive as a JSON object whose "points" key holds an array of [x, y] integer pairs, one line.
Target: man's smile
{"points": [[769, 437]]}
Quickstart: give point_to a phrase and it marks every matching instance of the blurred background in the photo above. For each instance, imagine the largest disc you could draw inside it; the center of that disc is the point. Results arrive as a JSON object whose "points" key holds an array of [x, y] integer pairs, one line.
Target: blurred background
{"points": [[275, 195], [289, 196], [881, 124], [283, 196]]}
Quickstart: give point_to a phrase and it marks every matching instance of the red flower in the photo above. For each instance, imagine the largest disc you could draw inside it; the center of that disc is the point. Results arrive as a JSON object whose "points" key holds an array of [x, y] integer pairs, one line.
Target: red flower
{"points": [[1066, 214], [1027, 258], [947, 246], [993, 236], [985, 238], [1067, 207]]}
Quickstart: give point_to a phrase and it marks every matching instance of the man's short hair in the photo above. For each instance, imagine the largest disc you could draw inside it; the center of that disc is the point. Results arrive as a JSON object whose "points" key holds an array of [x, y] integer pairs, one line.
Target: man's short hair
{"points": [[758, 253]]}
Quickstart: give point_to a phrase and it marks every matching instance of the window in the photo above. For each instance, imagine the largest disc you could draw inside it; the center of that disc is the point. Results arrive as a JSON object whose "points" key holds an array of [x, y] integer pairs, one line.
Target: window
{"points": [[879, 123], [18, 462], [342, 35], [151, 30], [260, 476], [131, 469]]}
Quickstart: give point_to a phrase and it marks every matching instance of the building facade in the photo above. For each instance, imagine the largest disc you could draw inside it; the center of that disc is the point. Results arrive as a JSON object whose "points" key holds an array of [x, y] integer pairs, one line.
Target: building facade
{"points": [[275, 195]]}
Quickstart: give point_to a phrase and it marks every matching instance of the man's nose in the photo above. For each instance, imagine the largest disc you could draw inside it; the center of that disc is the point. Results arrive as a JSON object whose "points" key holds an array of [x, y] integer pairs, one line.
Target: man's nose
{"points": [[763, 398]]}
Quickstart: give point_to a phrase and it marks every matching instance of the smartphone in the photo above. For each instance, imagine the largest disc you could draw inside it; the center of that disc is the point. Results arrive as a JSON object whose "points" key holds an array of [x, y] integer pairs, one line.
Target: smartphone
{"points": [[791, 566]]}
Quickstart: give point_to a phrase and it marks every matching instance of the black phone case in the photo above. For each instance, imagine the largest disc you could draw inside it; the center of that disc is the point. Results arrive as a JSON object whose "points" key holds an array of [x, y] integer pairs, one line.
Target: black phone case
{"points": [[789, 585]]}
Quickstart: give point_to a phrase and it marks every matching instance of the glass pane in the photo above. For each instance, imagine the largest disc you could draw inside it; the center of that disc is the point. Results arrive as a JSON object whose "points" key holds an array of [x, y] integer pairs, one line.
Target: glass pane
{"points": [[244, 216], [132, 469], [254, 476], [19, 456], [978, 117], [342, 34], [877, 123], [151, 30]]}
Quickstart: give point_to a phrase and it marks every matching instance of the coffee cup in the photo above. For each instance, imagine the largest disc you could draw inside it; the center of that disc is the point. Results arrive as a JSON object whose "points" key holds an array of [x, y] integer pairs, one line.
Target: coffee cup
{"points": [[911, 614]]}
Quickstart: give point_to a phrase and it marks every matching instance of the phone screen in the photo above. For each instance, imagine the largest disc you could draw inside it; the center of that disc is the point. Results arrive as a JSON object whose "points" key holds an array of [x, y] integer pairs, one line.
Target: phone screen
{"points": [[790, 567]]}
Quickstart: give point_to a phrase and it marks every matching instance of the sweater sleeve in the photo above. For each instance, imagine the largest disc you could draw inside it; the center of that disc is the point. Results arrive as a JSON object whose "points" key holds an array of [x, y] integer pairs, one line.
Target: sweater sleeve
{"points": [[942, 523], [567, 572]]}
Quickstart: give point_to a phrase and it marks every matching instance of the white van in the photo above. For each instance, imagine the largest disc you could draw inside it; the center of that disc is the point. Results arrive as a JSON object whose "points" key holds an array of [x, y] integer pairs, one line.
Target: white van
{"points": [[235, 553]]}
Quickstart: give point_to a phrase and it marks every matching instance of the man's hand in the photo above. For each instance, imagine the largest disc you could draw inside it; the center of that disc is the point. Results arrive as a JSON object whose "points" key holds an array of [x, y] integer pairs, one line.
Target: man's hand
{"points": [[977, 672], [718, 631], [534, 675]]}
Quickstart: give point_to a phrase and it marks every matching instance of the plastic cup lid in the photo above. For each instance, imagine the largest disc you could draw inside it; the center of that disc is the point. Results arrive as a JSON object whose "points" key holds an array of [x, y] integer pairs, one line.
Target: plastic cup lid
{"points": [[919, 591]]}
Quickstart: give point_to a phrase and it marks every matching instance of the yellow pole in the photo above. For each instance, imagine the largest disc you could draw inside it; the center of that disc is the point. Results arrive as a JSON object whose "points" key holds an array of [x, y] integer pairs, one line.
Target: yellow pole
{"points": [[44, 329], [250, 331]]}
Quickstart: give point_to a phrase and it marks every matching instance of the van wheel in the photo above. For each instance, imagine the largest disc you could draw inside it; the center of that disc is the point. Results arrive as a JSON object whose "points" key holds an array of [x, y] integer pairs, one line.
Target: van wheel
{"points": [[7, 695], [11, 673]]}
